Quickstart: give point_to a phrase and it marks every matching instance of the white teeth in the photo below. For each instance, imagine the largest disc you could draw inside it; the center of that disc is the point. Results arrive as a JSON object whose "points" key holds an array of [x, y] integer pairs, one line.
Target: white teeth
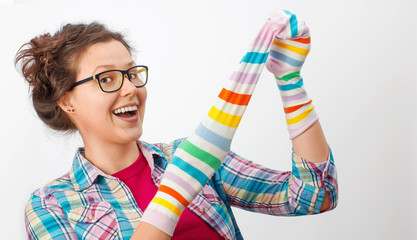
{"points": [[125, 109]]}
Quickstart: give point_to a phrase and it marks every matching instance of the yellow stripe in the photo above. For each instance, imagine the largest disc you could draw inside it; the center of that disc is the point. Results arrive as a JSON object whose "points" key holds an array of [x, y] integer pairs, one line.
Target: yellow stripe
{"points": [[300, 117], [298, 50], [168, 205], [224, 118]]}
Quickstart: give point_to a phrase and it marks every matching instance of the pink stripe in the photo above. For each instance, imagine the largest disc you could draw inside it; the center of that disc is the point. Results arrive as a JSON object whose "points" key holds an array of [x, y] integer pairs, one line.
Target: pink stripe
{"points": [[159, 220], [278, 68], [246, 78], [296, 132], [306, 32], [294, 97], [185, 185], [265, 36]]}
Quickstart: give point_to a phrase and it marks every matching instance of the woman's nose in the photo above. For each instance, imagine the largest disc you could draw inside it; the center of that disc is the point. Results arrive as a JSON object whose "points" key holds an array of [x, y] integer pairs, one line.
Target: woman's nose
{"points": [[127, 87]]}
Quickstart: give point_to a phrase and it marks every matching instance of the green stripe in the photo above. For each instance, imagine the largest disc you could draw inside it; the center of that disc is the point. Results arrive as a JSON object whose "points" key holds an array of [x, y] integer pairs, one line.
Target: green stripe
{"points": [[289, 76], [202, 155]]}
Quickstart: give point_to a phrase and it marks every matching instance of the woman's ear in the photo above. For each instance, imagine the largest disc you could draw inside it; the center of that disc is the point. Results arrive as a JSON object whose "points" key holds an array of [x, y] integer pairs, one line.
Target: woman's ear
{"points": [[65, 103]]}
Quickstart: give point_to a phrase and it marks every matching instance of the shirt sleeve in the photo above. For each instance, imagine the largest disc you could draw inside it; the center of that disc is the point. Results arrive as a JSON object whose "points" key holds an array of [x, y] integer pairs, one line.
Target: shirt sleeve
{"points": [[46, 220], [298, 192]]}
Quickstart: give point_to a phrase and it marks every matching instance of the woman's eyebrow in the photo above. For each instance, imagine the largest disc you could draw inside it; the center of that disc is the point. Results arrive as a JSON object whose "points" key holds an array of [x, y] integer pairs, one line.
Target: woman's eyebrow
{"points": [[108, 67], [112, 66]]}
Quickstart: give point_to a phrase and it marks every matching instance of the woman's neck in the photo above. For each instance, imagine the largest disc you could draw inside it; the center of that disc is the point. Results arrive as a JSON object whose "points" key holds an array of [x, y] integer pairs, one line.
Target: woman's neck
{"points": [[111, 157]]}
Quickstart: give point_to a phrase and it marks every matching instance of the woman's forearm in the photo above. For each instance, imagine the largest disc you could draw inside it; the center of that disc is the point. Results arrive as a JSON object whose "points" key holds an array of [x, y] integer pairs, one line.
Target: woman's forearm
{"points": [[311, 145]]}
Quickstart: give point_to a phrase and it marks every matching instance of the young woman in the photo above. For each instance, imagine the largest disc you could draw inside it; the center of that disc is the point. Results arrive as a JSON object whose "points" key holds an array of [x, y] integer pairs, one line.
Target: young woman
{"points": [[83, 78]]}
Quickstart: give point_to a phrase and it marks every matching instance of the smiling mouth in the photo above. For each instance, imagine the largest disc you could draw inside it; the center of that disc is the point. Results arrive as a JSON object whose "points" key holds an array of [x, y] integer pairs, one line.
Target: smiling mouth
{"points": [[126, 112]]}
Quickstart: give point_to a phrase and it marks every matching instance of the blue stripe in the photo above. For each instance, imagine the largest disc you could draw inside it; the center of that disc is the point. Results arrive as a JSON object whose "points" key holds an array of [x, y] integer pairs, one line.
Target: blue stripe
{"points": [[54, 225], [214, 138], [191, 170], [108, 194], [254, 57], [293, 23], [291, 86], [257, 184], [286, 59]]}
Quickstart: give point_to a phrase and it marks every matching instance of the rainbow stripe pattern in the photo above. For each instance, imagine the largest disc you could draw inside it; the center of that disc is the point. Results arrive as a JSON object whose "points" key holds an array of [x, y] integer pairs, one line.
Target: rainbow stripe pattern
{"points": [[197, 158], [287, 55]]}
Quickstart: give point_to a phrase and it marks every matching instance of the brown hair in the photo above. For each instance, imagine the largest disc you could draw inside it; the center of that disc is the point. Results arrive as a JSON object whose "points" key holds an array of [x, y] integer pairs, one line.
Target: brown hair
{"points": [[49, 64]]}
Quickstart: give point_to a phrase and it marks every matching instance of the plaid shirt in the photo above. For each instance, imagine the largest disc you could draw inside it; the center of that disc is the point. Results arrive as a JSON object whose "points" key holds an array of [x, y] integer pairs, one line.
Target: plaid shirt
{"points": [[89, 204]]}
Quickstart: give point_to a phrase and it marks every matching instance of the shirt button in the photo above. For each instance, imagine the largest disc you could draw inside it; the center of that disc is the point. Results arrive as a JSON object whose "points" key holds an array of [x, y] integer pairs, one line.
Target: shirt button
{"points": [[202, 209], [91, 216]]}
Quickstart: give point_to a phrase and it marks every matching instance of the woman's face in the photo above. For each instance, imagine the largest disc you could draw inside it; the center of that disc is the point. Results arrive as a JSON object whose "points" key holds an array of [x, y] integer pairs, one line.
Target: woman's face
{"points": [[94, 110]]}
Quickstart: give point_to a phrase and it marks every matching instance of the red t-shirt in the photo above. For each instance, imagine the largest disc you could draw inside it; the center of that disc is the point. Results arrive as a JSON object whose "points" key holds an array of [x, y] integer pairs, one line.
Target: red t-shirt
{"points": [[138, 178]]}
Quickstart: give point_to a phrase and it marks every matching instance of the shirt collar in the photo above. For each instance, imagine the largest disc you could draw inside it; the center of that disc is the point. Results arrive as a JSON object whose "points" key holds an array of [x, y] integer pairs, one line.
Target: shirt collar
{"points": [[83, 173]]}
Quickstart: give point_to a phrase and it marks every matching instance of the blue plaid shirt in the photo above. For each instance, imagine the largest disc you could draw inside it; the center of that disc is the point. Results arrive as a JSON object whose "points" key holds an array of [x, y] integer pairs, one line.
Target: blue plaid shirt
{"points": [[86, 203]]}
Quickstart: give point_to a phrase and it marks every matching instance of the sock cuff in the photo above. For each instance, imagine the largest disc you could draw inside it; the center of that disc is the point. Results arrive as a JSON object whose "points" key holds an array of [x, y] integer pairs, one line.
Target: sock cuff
{"points": [[159, 220], [296, 131]]}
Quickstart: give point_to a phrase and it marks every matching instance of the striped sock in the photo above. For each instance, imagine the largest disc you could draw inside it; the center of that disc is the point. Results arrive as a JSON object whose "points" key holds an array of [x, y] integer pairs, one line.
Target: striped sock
{"points": [[287, 55], [198, 157]]}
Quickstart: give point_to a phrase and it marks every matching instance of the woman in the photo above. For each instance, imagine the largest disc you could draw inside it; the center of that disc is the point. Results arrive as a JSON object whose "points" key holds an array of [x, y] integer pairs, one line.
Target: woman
{"points": [[84, 78]]}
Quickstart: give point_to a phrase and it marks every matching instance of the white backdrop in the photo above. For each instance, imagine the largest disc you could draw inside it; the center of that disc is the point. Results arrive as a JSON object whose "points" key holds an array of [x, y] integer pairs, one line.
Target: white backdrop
{"points": [[361, 74]]}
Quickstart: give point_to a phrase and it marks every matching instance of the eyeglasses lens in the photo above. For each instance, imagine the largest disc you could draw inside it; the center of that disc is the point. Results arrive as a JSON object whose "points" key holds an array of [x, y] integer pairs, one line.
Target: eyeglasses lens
{"points": [[138, 76], [112, 80]]}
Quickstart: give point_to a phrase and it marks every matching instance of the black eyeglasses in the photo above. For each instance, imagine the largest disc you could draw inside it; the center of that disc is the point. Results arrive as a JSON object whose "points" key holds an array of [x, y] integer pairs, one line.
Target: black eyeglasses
{"points": [[112, 80]]}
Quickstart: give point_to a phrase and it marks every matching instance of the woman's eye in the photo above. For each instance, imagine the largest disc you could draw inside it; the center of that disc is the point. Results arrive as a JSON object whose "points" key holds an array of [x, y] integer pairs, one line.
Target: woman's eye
{"points": [[105, 80], [133, 75]]}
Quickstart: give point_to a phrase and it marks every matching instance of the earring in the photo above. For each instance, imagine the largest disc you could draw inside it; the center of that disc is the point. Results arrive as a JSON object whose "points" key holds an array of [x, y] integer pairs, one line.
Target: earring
{"points": [[70, 110]]}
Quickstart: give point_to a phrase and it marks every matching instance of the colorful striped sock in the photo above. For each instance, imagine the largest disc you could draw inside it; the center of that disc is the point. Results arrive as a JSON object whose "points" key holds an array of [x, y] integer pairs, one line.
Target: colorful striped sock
{"points": [[287, 55], [198, 157]]}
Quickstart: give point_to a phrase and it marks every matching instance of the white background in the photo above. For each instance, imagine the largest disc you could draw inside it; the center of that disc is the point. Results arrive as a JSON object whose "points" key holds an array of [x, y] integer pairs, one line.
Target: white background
{"points": [[361, 74]]}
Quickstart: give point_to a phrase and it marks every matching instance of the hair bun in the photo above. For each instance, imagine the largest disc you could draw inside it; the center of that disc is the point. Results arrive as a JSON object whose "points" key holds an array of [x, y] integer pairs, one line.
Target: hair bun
{"points": [[49, 64]]}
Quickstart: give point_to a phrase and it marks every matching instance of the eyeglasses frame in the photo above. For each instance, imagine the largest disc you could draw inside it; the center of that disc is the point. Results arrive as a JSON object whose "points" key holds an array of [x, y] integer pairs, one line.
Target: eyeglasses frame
{"points": [[123, 72]]}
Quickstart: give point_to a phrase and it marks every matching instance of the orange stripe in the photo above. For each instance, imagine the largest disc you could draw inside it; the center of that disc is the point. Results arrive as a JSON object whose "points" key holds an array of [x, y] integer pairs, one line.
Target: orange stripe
{"points": [[292, 48], [302, 40], [235, 98], [296, 107], [174, 194]]}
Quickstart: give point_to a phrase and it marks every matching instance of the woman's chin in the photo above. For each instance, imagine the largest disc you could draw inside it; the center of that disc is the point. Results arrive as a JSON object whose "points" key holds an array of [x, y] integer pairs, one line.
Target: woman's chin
{"points": [[134, 135]]}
